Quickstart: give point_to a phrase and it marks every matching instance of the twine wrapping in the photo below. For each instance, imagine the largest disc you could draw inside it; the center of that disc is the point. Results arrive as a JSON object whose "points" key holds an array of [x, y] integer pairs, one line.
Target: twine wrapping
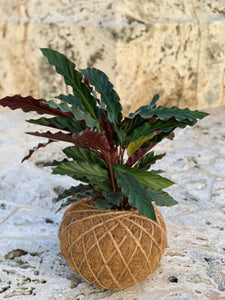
{"points": [[111, 249]]}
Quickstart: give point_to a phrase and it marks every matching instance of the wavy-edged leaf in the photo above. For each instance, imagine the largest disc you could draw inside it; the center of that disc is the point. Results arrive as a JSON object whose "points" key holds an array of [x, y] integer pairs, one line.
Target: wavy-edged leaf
{"points": [[55, 163], [110, 100], [146, 161], [134, 146], [72, 77], [161, 198], [147, 178], [166, 113], [40, 145], [101, 186], [67, 124], [136, 156], [29, 103], [83, 193], [74, 190], [78, 111], [139, 154], [148, 128], [115, 198], [102, 204], [94, 140], [137, 196], [152, 105], [82, 169], [79, 153], [58, 136], [111, 199]]}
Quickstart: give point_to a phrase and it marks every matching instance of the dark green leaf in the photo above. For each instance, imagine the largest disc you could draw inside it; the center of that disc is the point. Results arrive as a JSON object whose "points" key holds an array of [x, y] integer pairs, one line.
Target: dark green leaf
{"points": [[74, 190], [102, 204], [80, 195], [165, 113], [79, 154], [67, 124], [152, 105], [82, 169], [146, 161], [114, 198], [149, 179], [161, 198], [137, 196], [101, 186], [78, 111], [55, 163], [148, 128], [110, 100], [73, 78]]}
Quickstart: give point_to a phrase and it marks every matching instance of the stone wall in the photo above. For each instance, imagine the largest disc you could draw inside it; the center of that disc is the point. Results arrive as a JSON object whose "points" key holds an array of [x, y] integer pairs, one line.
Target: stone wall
{"points": [[175, 48]]}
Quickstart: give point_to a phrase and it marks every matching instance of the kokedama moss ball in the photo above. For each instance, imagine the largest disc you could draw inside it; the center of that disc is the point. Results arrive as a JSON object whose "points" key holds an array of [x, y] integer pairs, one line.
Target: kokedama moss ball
{"points": [[111, 249]]}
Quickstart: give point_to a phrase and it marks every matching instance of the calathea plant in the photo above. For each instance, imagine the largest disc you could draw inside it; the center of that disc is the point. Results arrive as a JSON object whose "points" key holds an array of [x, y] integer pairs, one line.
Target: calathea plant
{"points": [[112, 233], [110, 154]]}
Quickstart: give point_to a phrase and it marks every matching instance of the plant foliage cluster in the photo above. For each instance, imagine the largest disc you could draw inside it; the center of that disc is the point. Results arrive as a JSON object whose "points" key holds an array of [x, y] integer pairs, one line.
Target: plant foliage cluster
{"points": [[91, 120]]}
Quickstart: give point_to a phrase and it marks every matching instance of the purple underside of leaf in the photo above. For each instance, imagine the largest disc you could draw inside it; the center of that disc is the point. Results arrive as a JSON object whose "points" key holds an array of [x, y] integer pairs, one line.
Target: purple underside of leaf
{"points": [[59, 136], [138, 154], [40, 145], [142, 151], [29, 103], [92, 139], [97, 141], [108, 127]]}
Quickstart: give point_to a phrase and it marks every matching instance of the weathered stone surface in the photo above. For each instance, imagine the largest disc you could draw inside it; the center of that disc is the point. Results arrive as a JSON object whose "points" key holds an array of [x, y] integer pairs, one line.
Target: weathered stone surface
{"points": [[193, 265], [174, 48]]}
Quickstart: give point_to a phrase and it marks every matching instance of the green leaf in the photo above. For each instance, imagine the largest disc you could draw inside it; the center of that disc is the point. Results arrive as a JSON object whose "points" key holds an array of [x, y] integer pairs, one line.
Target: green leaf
{"points": [[68, 124], [110, 100], [89, 192], [102, 204], [152, 105], [149, 179], [78, 111], [74, 190], [134, 146], [55, 163], [148, 128], [79, 154], [101, 186], [166, 113], [146, 161], [115, 198], [161, 198], [82, 169], [64, 107], [73, 78], [137, 196]]}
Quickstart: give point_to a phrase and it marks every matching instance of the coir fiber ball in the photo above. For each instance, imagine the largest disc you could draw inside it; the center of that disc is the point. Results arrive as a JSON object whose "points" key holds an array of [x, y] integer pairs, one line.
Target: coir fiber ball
{"points": [[111, 249]]}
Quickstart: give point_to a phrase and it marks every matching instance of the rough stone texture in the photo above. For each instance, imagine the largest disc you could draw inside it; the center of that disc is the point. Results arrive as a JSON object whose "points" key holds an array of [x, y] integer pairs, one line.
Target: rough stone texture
{"points": [[192, 268], [174, 48]]}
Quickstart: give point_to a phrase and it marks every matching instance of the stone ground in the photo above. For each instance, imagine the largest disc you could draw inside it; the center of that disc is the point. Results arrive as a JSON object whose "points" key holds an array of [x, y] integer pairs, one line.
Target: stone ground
{"points": [[193, 266]]}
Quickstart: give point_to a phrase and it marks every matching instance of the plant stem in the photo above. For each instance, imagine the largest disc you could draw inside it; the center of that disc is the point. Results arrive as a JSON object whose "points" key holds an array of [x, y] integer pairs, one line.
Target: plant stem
{"points": [[111, 174]]}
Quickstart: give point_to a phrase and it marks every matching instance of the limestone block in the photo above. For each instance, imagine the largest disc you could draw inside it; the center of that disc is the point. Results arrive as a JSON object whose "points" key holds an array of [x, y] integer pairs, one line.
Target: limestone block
{"points": [[86, 46], [208, 9], [174, 48], [159, 59], [211, 82], [62, 11], [18, 65], [154, 11]]}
